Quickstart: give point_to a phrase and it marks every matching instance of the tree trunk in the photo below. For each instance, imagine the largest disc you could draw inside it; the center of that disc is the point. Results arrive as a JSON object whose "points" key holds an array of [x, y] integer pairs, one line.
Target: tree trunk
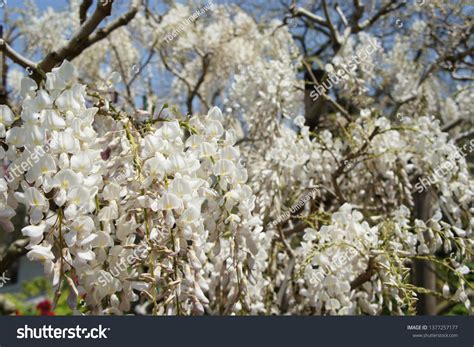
{"points": [[314, 105], [3, 74], [424, 271]]}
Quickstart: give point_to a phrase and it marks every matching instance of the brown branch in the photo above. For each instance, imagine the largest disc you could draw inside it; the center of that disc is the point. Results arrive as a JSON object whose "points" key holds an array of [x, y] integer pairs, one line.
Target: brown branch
{"points": [[17, 57], [324, 95], [341, 14], [120, 21], [3, 74], [79, 41], [83, 10], [174, 72], [357, 15], [282, 298], [462, 78], [464, 135], [447, 127], [194, 91], [145, 63], [123, 74], [302, 12], [383, 11], [14, 251], [445, 58], [365, 276], [352, 155], [334, 33], [86, 37]]}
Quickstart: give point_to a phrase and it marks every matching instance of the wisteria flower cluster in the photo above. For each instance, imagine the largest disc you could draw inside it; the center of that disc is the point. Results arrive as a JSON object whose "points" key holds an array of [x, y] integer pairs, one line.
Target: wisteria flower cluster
{"points": [[184, 202], [281, 203]]}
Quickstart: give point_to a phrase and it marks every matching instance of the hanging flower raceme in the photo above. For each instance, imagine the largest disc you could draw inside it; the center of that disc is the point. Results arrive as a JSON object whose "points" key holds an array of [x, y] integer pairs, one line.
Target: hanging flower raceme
{"points": [[157, 211]]}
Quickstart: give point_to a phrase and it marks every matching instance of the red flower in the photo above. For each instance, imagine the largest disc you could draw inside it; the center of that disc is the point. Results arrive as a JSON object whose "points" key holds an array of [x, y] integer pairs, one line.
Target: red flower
{"points": [[44, 305], [45, 308]]}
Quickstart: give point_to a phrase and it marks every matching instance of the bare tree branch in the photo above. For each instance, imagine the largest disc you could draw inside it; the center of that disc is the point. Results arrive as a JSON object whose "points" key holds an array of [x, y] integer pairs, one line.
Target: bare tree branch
{"points": [[365, 276], [464, 135], [17, 57], [341, 14], [452, 124], [79, 41], [145, 63], [334, 33], [83, 39], [120, 21], [383, 11], [299, 11], [83, 10], [124, 76], [357, 15], [194, 91], [14, 251], [324, 95]]}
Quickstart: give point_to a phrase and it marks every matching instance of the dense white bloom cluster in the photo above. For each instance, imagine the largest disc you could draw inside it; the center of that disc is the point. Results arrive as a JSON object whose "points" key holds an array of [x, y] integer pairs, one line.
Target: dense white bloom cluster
{"points": [[184, 198], [254, 71], [342, 253], [344, 247], [348, 266], [161, 213]]}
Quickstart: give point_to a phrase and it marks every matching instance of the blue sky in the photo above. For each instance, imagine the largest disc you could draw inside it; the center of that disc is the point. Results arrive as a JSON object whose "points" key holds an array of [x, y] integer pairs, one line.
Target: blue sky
{"points": [[42, 4]]}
